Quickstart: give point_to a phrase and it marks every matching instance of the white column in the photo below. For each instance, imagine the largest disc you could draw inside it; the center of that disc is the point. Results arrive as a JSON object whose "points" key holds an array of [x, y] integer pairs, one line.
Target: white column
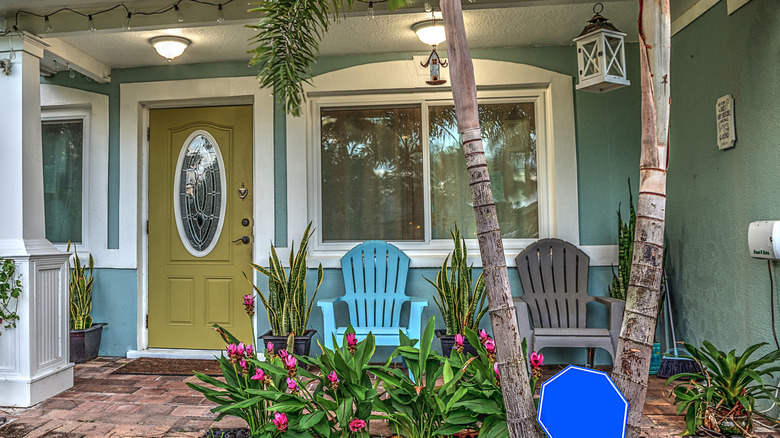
{"points": [[34, 363]]}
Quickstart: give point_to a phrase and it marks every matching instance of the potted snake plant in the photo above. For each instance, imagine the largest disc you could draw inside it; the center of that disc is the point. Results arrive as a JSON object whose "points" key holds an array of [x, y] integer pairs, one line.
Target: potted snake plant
{"points": [[286, 303], [461, 302], [85, 336]]}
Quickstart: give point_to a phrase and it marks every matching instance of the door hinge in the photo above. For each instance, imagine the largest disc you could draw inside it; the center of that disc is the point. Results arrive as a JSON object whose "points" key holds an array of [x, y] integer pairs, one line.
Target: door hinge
{"points": [[148, 134], [147, 321], [147, 226]]}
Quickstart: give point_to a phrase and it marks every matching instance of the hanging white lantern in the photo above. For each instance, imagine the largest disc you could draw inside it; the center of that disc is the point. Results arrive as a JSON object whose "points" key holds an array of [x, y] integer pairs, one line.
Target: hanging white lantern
{"points": [[601, 55]]}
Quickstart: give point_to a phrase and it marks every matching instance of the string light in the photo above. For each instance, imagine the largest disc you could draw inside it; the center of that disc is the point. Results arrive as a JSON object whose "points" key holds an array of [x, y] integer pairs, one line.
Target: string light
{"points": [[48, 28], [371, 15], [71, 72], [220, 14]]}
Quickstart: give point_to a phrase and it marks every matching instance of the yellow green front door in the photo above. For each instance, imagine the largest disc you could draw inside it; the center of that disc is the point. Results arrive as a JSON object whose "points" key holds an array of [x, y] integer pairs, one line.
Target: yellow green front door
{"points": [[200, 208]]}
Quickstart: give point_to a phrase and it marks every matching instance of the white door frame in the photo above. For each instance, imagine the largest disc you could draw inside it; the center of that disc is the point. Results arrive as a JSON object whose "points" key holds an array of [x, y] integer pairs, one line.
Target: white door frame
{"points": [[136, 99]]}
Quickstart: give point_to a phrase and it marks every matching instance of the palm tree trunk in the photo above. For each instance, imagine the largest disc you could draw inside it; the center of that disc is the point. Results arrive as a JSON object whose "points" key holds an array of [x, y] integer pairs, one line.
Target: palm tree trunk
{"points": [[632, 362], [521, 414]]}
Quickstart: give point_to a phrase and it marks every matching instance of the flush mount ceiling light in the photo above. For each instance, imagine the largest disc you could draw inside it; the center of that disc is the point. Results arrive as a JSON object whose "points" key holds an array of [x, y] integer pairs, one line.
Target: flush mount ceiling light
{"points": [[430, 32], [170, 47]]}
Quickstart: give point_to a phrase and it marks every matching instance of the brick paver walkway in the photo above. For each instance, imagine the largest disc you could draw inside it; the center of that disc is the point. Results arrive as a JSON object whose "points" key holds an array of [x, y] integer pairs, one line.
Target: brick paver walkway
{"points": [[102, 404]]}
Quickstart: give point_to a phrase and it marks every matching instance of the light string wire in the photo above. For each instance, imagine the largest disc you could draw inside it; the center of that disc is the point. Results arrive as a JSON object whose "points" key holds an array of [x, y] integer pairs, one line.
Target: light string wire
{"points": [[159, 11]]}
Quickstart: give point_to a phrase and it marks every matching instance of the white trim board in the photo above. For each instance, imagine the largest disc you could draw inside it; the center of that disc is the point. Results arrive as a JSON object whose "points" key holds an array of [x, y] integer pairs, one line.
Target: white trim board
{"points": [[689, 16], [61, 102], [135, 101]]}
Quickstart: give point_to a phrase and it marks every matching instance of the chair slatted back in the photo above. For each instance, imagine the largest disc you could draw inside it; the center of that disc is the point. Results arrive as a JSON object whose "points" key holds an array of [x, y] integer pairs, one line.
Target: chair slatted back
{"points": [[375, 280], [554, 276]]}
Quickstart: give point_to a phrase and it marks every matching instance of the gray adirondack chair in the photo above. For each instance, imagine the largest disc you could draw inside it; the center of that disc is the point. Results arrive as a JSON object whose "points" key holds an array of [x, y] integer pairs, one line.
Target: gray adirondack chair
{"points": [[552, 310], [375, 280]]}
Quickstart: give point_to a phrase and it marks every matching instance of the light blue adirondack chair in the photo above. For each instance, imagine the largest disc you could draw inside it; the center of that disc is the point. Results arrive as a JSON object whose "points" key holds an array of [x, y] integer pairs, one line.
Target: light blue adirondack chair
{"points": [[375, 279]]}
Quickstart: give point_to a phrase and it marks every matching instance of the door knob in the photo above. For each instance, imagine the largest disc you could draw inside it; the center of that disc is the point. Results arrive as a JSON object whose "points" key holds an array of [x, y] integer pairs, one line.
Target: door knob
{"points": [[244, 240]]}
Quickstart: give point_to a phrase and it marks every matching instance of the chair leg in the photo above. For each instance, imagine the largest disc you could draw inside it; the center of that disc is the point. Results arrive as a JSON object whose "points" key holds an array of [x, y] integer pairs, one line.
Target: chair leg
{"points": [[591, 357]]}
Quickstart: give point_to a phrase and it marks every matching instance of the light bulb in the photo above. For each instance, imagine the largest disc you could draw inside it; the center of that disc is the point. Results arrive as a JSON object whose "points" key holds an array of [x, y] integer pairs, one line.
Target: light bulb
{"points": [[428, 7], [92, 27], [55, 66], [179, 15], [220, 14], [371, 14], [71, 72], [126, 26], [47, 24]]}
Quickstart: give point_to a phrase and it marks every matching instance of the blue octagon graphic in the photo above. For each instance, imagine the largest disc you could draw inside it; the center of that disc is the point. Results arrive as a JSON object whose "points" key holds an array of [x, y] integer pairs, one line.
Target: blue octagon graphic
{"points": [[582, 403]]}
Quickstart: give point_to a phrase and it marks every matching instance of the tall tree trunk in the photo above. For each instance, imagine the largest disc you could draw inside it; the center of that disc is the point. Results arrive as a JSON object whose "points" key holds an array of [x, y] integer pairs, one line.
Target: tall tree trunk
{"points": [[520, 410], [632, 362]]}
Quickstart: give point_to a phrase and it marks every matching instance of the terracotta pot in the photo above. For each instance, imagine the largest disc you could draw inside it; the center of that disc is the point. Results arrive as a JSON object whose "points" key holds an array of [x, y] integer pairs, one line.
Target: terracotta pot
{"points": [[85, 344], [466, 433], [301, 347], [448, 342]]}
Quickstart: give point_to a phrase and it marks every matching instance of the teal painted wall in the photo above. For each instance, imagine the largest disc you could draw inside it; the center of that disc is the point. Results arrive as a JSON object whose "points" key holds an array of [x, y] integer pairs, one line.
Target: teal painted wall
{"points": [[608, 138], [115, 301], [721, 293]]}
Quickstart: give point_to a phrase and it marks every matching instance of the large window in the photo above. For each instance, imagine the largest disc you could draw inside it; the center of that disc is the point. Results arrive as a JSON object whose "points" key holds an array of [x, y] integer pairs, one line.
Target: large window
{"points": [[398, 172], [63, 167]]}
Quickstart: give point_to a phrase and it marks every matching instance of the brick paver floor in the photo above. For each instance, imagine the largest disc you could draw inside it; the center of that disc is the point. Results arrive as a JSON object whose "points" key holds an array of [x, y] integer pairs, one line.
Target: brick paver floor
{"points": [[102, 404]]}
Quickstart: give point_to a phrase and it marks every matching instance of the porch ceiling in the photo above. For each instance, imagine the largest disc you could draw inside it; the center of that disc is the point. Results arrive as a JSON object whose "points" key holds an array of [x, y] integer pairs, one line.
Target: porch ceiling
{"points": [[489, 23]]}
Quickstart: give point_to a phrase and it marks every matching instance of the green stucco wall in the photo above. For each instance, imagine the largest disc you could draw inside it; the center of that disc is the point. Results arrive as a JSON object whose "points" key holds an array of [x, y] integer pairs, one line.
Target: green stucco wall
{"points": [[608, 138], [115, 301], [721, 293]]}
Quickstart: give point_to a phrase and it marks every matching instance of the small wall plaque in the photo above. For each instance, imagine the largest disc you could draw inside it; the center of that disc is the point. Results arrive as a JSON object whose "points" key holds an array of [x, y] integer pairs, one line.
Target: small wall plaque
{"points": [[724, 113]]}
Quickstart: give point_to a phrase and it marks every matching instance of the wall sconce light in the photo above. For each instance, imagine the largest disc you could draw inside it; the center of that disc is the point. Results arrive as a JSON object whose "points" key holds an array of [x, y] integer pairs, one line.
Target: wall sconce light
{"points": [[601, 57], [431, 32], [170, 47]]}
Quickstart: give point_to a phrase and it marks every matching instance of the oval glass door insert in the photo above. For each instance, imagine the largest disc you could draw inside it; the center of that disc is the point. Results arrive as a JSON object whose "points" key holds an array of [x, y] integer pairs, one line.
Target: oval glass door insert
{"points": [[199, 201]]}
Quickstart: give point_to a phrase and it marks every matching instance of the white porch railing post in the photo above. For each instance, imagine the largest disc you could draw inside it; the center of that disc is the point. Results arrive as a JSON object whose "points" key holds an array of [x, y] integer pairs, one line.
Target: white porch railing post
{"points": [[34, 362]]}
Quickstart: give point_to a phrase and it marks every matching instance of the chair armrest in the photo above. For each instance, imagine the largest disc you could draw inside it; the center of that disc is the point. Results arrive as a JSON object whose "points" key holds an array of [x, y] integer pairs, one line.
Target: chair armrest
{"points": [[616, 309], [523, 321], [328, 319], [415, 317]]}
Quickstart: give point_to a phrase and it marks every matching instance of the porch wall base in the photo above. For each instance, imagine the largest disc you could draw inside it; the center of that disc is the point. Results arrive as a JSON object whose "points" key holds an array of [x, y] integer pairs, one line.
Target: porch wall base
{"points": [[23, 393]]}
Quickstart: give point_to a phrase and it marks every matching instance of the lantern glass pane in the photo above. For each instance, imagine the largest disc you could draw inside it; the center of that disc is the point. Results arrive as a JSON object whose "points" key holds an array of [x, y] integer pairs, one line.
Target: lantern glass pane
{"points": [[590, 58], [614, 48]]}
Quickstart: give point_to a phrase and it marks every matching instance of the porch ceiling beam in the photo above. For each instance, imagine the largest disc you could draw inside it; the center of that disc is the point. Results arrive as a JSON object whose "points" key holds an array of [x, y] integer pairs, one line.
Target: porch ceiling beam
{"points": [[64, 54]]}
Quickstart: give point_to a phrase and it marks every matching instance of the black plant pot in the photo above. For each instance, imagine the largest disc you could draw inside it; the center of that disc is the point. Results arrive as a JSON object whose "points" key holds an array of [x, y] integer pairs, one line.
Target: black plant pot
{"points": [[448, 342], [301, 347], [85, 344]]}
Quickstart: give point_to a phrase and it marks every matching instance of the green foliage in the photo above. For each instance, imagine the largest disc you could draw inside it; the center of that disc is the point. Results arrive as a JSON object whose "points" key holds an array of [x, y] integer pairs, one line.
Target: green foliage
{"points": [[620, 279], [10, 289], [286, 304], [287, 43], [81, 277], [727, 385], [461, 305]]}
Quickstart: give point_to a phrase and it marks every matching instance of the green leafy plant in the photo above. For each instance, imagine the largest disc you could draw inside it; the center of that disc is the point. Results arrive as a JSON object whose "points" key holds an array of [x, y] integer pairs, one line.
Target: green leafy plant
{"points": [[81, 277], [461, 305], [726, 388], [10, 289], [619, 287], [286, 304]]}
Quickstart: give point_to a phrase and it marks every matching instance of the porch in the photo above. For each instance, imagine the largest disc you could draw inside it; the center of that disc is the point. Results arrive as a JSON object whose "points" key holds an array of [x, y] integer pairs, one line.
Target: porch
{"points": [[102, 404]]}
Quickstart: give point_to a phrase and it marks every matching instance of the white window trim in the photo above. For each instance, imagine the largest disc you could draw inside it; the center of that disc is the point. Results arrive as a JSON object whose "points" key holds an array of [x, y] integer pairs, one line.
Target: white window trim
{"points": [[62, 103], [397, 78]]}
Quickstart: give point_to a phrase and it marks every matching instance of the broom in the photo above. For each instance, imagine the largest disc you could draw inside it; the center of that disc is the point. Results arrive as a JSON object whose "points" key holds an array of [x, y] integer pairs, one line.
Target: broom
{"points": [[672, 362]]}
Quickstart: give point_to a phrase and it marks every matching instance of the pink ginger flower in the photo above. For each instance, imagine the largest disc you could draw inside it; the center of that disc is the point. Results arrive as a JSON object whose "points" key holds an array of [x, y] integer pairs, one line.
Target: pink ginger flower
{"points": [[537, 359], [242, 363], [270, 350], [259, 375], [334, 380], [249, 304], [292, 385], [290, 362], [495, 369], [459, 340], [249, 350], [490, 346], [280, 421], [240, 349], [351, 343], [282, 354], [356, 425], [483, 336]]}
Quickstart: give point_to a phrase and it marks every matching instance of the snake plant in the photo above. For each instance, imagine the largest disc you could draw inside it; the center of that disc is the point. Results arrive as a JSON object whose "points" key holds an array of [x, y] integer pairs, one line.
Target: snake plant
{"points": [[462, 305], [81, 277], [286, 302], [620, 278]]}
